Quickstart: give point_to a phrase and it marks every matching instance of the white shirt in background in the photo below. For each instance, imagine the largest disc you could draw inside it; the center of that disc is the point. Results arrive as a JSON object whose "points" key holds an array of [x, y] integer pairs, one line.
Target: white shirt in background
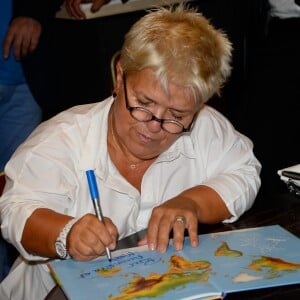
{"points": [[284, 9]]}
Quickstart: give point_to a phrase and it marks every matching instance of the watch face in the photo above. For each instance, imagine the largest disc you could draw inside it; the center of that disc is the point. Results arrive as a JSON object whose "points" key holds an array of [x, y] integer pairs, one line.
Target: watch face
{"points": [[61, 250]]}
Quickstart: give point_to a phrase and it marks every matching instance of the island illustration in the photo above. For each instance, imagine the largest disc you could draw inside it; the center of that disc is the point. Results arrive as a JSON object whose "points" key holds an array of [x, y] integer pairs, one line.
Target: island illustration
{"points": [[182, 271]]}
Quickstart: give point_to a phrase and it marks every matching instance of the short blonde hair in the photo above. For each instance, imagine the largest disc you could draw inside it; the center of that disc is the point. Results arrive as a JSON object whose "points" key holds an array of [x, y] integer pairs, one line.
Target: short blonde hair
{"points": [[182, 47]]}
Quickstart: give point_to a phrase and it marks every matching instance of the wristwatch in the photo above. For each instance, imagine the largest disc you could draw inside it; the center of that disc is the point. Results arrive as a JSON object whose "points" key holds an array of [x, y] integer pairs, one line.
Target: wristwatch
{"points": [[61, 241]]}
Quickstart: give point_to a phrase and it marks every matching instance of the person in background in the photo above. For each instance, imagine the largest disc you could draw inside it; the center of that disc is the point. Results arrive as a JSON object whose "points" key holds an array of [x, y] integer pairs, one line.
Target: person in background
{"points": [[272, 63], [66, 69], [19, 112], [39, 66], [163, 159], [74, 10]]}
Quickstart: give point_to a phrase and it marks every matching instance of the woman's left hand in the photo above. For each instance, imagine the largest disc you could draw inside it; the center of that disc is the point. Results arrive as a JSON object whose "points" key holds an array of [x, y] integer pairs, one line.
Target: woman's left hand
{"points": [[178, 214]]}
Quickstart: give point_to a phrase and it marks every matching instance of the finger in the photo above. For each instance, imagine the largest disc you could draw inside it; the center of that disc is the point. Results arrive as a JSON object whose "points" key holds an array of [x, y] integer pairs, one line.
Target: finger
{"points": [[86, 246], [7, 44], [22, 45], [88, 237], [35, 36], [163, 235], [143, 241], [152, 230], [33, 44], [83, 252], [74, 10], [97, 248], [113, 231], [81, 244], [18, 46], [192, 228], [97, 4], [103, 233], [178, 233]]}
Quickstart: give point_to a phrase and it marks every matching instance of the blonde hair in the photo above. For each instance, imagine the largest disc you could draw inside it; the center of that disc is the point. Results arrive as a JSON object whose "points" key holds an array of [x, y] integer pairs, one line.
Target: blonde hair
{"points": [[182, 47]]}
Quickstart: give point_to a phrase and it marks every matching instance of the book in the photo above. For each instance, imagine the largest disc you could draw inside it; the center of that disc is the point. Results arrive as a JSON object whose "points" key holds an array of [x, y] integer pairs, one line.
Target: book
{"points": [[223, 263], [115, 7], [291, 177]]}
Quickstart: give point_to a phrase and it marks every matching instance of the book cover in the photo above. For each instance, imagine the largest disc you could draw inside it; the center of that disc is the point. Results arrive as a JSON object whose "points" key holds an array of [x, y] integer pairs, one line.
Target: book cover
{"points": [[223, 263], [114, 7]]}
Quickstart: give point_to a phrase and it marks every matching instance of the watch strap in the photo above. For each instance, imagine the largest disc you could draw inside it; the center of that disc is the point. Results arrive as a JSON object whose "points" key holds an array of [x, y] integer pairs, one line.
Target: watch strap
{"points": [[62, 238]]}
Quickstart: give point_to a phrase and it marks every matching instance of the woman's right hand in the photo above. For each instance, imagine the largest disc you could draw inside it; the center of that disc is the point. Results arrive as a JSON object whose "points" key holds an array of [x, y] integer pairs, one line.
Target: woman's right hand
{"points": [[89, 237]]}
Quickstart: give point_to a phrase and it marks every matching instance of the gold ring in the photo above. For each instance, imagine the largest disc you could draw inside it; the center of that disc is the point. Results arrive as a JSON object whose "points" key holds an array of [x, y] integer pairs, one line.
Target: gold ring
{"points": [[180, 219]]}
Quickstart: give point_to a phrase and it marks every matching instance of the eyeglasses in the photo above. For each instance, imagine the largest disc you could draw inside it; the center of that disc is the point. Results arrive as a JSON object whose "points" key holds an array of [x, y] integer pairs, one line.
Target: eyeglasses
{"points": [[142, 114]]}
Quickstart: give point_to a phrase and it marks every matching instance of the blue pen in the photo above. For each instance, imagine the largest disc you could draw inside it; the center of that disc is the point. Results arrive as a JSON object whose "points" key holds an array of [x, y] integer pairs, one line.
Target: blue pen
{"points": [[96, 201]]}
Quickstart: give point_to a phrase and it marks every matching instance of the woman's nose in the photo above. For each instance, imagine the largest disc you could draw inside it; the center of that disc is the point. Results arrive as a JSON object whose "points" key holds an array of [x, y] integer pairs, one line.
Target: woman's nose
{"points": [[154, 126]]}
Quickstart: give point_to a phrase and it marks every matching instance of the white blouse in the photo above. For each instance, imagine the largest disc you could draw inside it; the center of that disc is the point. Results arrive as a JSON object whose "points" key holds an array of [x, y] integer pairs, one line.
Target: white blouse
{"points": [[48, 170]]}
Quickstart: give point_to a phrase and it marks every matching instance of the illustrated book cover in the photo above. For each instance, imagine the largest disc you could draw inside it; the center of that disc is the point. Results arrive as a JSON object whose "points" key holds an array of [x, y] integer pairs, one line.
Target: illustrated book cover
{"points": [[223, 263]]}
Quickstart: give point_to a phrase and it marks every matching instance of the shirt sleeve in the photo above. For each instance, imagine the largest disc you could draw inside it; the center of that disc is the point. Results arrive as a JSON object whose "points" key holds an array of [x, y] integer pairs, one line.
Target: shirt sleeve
{"points": [[231, 167], [40, 174]]}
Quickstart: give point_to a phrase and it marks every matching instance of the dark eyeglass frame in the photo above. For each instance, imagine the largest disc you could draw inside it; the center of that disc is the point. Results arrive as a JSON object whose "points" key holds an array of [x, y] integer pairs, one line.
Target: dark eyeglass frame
{"points": [[131, 109]]}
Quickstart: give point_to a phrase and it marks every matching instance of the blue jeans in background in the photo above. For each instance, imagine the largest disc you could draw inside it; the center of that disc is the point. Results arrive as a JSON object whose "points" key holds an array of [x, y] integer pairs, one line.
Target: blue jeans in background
{"points": [[19, 115], [4, 259]]}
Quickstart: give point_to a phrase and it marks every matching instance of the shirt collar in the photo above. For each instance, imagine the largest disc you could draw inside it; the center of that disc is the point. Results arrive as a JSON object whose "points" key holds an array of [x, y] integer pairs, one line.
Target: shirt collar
{"points": [[97, 129], [182, 146]]}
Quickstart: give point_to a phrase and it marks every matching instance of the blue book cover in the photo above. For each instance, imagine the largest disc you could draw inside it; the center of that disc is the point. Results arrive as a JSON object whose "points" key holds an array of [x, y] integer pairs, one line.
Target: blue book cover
{"points": [[223, 263]]}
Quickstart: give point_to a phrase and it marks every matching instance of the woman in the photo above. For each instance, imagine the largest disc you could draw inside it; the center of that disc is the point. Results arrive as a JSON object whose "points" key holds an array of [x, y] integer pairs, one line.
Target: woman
{"points": [[163, 159]]}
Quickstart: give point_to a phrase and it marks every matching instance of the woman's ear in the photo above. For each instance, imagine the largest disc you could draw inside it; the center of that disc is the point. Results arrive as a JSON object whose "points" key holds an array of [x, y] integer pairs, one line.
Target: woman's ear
{"points": [[119, 78]]}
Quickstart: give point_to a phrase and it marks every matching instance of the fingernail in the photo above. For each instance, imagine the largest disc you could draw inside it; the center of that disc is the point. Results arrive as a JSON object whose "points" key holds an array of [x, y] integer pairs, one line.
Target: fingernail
{"points": [[194, 243], [161, 249], [151, 247], [178, 246]]}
